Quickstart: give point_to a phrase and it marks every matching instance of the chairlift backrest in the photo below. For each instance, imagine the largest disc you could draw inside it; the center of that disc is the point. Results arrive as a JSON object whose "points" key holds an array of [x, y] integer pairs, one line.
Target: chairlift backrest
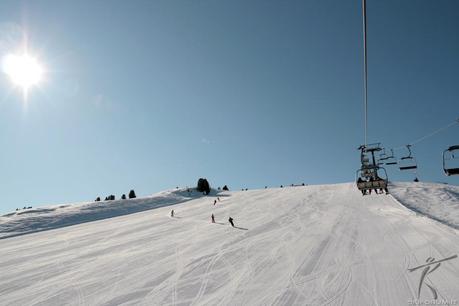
{"points": [[408, 166]]}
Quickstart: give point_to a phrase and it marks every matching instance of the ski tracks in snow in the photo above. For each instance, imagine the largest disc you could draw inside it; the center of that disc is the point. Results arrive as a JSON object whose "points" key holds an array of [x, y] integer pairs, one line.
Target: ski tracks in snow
{"points": [[315, 245]]}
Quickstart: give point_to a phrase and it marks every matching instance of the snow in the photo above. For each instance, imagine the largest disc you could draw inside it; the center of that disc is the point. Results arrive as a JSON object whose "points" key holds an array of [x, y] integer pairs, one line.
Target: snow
{"points": [[312, 245], [51, 217], [437, 201]]}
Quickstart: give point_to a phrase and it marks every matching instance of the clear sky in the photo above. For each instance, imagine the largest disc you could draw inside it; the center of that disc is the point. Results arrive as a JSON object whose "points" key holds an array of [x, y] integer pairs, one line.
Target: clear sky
{"points": [[151, 95]]}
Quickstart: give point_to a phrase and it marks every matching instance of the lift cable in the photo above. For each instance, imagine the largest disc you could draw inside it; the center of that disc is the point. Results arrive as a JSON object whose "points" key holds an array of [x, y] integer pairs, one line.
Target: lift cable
{"points": [[428, 135], [365, 79]]}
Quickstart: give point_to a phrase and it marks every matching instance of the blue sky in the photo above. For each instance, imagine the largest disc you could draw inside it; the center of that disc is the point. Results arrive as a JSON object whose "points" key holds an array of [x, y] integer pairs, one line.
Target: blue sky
{"points": [[151, 95]]}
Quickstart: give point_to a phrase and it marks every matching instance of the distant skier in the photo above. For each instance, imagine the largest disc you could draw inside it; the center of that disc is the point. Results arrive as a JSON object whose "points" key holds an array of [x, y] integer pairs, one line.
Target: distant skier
{"points": [[215, 202], [213, 218], [172, 213], [230, 220], [218, 199]]}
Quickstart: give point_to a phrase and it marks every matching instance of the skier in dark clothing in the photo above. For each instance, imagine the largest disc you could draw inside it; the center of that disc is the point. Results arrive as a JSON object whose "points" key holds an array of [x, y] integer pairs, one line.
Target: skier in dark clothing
{"points": [[215, 202], [359, 180], [172, 213], [375, 179], [230, 220], [213, 218]]}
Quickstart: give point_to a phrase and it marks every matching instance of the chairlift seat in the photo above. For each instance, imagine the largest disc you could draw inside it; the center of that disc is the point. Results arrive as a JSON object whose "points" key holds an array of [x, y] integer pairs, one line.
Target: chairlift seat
{"points": [[408, 167], [452, 171], [376, 184], [374, 180]]}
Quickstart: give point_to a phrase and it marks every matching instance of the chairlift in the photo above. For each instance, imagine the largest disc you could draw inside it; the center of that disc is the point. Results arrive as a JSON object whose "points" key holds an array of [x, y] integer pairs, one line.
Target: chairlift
{"points": [[371, 179], [408, 162], [383, 155], [370, 176], [450, 163], [389, 159], [367, 177]]}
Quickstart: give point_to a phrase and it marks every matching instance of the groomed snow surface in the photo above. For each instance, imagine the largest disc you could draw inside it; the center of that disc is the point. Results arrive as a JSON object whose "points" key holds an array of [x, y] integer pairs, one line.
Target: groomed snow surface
{"points": [[438, 201], [312, 245]]}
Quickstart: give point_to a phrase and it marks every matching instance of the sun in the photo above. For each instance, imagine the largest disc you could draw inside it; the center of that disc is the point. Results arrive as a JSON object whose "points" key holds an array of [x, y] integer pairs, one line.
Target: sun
{"points": [[24, 70]]}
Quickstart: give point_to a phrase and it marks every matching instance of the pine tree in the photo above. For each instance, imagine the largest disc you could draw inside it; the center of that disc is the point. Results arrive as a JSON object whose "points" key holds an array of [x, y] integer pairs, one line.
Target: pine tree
{"points": [[203, 186], [132, 194]]}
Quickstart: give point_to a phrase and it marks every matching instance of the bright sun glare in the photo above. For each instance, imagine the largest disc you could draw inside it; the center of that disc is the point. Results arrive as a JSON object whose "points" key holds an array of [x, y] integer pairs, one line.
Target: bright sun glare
{"points": [[23, 70]]}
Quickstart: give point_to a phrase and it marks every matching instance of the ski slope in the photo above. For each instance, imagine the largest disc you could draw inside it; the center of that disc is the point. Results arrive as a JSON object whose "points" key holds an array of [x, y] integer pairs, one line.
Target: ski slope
{"points": [[51, 217], [313, 245], [437, 201]]}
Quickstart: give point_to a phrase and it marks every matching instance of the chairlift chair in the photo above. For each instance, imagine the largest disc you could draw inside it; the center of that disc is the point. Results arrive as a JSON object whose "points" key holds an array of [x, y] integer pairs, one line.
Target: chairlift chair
{"points": [[383, 155], [368, 177], [449, 167], [408, 162], [390, 159], [376, 180]]}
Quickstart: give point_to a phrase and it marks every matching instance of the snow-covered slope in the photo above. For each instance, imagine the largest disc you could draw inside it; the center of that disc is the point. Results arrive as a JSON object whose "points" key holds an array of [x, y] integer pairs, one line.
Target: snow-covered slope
{"points": [[51, 217], [313, 245], [437, 201]]}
